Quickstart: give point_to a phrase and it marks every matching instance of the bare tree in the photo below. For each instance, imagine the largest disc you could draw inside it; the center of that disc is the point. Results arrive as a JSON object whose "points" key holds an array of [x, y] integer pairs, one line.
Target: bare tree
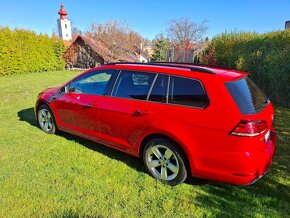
{"points": [[185, 39], [117, 36], [183, 31], [76, 31]]}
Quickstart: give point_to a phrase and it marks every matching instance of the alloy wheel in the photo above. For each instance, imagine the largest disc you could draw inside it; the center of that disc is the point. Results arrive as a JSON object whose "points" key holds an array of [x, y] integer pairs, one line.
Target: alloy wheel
{"points": [[45, 120], [162, 162]]}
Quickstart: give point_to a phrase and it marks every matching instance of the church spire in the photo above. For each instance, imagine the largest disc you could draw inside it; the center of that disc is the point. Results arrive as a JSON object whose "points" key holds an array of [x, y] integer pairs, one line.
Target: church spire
{"points": [[64, 25], [62, 12]]}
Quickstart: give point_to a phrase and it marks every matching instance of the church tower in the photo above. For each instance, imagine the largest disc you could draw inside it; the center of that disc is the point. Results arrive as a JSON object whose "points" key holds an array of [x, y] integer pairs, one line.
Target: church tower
{"points": [[64, 27]]}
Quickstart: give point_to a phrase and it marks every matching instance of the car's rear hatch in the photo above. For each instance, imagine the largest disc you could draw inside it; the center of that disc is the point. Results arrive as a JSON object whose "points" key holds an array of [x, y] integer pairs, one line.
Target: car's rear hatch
{"points": [[256, 110], [255, 127]]}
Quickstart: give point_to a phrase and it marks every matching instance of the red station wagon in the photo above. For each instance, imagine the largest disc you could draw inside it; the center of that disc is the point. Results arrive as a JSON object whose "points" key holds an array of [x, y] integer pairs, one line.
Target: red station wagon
{"points": [[181, 119]]}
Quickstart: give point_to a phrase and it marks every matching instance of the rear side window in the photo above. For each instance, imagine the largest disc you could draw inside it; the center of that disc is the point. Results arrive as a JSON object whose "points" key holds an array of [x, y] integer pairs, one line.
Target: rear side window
{"points": [[187, 92], [159, 90], [133, 84], [247, 95]]}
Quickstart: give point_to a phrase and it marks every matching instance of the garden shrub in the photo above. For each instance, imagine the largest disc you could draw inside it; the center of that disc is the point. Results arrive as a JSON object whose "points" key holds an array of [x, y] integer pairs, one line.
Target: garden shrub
{"points": [[265, 56], [23, 51]]}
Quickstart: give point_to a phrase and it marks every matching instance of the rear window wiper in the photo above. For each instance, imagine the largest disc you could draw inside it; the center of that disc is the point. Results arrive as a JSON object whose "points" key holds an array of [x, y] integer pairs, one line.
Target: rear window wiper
{"points": [[267, 101]]}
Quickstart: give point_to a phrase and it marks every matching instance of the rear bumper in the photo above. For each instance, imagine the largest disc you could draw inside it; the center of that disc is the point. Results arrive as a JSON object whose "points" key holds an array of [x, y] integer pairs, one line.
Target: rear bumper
{"points": [[267, 158], [240, 168]]}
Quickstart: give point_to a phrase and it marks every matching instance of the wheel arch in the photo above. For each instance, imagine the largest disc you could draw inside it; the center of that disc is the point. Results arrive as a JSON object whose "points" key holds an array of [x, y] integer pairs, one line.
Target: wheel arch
{"points": [[40, 103], [177, 143], [37, 106]]}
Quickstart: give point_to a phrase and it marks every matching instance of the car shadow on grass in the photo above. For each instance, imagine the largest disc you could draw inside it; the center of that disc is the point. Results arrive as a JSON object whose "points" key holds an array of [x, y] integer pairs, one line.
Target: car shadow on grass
{"points": [[28, 116], [267, 197]]}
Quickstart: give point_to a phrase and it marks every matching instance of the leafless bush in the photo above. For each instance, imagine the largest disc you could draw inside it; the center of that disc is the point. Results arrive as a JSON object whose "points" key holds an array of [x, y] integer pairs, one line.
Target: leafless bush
{"points": [[183, 31], [117, 36]]}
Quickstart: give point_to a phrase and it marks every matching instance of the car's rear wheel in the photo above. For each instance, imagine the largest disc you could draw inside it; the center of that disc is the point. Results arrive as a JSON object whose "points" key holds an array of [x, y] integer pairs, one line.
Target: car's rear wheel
{"points": [[165, 161], [46, 119]]}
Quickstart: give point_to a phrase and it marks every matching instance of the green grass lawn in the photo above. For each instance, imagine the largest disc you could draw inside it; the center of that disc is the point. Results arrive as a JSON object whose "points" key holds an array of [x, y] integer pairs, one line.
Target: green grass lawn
{"points": [[66, 176]]}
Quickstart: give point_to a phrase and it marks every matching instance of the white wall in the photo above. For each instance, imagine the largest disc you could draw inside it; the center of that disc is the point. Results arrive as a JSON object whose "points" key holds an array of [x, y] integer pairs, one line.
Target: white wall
{"points": [[64, 29], [142, 58]]}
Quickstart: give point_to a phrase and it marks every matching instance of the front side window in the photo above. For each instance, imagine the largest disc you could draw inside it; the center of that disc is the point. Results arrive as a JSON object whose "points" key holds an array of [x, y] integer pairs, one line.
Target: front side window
{"points": [[95, 83], [133, 85], [187, 92]]}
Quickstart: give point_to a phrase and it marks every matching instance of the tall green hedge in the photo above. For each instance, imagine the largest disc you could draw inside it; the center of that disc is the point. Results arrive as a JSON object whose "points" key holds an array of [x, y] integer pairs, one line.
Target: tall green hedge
{"points": [[265, 56], [23, 51]]}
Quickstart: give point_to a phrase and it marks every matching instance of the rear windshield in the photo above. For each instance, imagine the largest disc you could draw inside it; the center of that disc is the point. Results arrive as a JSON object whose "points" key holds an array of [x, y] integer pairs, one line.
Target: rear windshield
{"points": [[247, 95]]}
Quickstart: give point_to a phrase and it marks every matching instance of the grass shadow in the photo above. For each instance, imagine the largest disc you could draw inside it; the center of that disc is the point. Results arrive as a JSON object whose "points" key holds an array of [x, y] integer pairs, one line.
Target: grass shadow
{"points": [[28, 116], [268, 196]]}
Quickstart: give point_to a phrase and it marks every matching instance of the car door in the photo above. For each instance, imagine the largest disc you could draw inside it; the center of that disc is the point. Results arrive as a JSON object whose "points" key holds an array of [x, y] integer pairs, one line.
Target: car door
{"points": [[77, 108], [124, 114]]}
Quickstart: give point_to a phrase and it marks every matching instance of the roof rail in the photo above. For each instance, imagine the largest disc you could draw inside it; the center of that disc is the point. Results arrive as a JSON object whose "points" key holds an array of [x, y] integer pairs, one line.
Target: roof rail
{"points": [[164, 64], [197, 65]]}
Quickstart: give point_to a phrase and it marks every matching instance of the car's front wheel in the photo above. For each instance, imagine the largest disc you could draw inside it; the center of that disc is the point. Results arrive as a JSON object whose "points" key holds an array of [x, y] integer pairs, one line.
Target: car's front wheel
{"points": [[46, 119], [165, 161]]}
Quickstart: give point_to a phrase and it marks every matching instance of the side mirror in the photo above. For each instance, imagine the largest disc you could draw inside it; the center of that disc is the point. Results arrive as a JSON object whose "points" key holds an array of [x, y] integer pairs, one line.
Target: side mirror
{"points": [[64, 89]]}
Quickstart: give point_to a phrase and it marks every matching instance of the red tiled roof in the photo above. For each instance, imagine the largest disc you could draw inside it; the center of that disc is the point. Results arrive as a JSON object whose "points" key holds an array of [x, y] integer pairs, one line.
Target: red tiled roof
{"points": [[104, 52], [67, 43]]}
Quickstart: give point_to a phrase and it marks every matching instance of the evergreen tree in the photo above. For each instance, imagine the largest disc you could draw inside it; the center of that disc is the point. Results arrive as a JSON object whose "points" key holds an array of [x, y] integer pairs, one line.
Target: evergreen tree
{"points": [[23, 51], [160, 47]]}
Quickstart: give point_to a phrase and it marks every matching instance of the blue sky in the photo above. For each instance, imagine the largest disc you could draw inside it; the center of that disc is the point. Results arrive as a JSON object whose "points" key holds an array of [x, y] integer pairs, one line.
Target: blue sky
{"points": [[149, 17]]}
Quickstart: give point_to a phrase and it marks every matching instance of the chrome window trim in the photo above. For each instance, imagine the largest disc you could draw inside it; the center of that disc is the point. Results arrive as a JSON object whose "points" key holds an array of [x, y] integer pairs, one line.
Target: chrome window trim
{"points": [[152, 85], [167, 91], [113, 88], [119, 71]]}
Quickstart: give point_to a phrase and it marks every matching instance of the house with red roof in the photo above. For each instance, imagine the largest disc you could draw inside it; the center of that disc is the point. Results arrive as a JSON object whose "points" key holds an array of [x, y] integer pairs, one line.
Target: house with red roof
{"points": [[87, 53], [83, 52]]}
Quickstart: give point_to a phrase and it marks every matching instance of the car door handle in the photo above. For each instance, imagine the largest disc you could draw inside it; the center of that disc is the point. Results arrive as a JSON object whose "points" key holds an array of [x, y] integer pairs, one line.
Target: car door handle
{"points": [[141, 112], [91, 104]]}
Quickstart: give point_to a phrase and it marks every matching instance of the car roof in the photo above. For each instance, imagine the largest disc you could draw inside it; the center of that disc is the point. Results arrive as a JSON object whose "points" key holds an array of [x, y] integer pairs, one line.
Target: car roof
{"points": [[180, 69]]}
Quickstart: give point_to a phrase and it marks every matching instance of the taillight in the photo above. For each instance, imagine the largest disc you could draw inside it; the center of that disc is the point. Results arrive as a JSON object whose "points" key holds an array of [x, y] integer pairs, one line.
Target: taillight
{"points": [[250, 128]]}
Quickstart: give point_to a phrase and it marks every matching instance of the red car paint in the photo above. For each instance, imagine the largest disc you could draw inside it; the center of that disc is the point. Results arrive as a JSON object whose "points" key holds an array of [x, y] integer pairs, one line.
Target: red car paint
{"points": [[204, 134]]}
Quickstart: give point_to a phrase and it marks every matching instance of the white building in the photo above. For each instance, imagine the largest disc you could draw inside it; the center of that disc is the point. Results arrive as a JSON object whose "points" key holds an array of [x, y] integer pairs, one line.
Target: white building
{"points": [[64, 26], [141, 54]]}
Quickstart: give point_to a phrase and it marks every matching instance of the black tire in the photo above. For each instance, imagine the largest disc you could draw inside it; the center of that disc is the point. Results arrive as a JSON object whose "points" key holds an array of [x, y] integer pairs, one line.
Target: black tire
{"points": [[46, 122], [172, 170]]}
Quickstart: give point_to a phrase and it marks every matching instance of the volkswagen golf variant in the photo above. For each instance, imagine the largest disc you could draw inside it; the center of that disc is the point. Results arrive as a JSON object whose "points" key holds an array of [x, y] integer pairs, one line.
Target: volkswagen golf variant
{"points": [[183, 120]]}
